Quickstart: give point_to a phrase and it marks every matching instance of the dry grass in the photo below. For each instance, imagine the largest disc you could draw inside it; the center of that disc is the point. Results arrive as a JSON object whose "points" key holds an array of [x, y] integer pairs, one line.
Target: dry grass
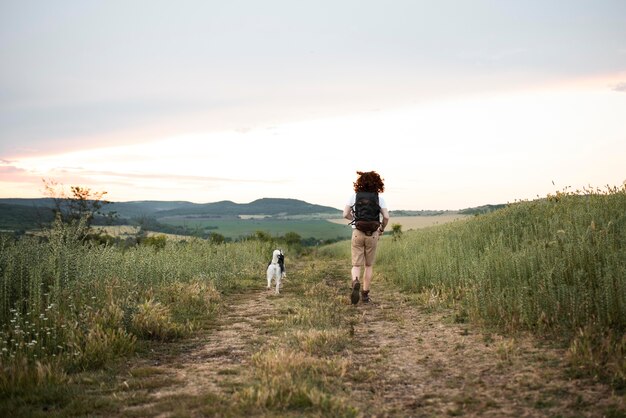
{"points": [[125, 231]]}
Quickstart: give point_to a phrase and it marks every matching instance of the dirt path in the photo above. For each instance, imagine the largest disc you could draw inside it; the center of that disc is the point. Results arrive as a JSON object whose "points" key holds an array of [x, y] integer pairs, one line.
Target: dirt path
{"points": [[398, 356], [427, 365], [211, 367]]}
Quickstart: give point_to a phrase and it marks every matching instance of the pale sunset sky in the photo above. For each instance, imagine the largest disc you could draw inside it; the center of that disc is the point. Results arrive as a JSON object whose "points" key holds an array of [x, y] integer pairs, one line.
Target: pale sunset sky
{"points": [[455, 103]]}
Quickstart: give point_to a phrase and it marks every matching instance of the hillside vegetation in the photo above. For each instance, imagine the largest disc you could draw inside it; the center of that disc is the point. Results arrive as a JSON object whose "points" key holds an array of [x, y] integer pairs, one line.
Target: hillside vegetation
{"points": [[68, 305], [161, 209], [554, 266]]}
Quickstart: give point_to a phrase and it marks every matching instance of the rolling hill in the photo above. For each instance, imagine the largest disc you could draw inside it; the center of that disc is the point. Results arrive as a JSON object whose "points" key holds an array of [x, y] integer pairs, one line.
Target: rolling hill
{"points": [[266, 206], [30, 213]]}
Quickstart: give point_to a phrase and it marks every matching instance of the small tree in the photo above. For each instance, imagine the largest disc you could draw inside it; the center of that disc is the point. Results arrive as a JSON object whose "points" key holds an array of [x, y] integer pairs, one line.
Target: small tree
{"points": [[261, 236], [292, 238], [396, 231], [82, 203], [216, 238]]}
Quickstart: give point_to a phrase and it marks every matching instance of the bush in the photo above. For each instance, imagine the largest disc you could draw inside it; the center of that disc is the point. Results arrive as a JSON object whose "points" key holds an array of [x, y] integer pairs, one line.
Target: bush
{"points": [[156, 241], [154, 321], [188, 300]]}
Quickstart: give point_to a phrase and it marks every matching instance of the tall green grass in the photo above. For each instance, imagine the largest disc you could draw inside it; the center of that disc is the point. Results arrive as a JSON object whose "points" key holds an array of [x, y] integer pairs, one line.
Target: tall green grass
{"points": [[555, 263], [66, 305], [554, 266]]}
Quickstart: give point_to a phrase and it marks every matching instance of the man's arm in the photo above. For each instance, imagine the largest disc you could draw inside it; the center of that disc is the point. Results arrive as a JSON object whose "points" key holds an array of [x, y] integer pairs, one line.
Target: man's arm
{"points": [[347, 212], [383, 225]]}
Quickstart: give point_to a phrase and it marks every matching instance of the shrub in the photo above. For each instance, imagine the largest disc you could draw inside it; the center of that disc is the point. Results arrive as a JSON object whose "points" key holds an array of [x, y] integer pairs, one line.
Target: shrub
{"points": [[156, 241], [18, 373], [102, 340], [154, 321], [197, 298]]}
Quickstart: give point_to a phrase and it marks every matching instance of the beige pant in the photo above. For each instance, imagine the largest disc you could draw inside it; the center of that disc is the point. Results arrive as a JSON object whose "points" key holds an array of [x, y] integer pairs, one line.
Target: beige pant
{"points": [[363, 248]]}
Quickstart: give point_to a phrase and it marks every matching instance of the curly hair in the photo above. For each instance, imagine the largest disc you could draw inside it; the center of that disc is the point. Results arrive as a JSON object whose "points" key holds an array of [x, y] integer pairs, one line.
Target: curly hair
{"points": [[369, 181]]}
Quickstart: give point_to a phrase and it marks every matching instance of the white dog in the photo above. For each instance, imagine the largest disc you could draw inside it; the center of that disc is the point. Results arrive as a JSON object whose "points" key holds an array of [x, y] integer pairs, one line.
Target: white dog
{"points": [[276, 270]]}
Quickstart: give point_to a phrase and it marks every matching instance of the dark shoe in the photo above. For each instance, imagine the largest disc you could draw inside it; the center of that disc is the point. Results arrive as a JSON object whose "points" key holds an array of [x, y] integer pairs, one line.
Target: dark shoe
{"points": [[365, 296], [356, 287]]}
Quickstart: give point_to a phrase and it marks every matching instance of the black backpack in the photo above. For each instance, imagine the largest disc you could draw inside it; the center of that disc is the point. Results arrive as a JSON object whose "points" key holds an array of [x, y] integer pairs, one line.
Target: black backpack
{"points": [[366, 212]]}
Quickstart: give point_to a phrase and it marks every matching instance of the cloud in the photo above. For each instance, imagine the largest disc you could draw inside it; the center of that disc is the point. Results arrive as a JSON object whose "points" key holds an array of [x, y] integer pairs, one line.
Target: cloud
{"points": [[621, 87], [9, 169], [174, 177], [13, 174]]}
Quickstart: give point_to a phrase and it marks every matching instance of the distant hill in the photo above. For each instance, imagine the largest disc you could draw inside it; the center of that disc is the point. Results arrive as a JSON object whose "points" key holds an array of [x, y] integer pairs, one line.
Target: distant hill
{"points": [[480, 210], [30, 213], [18, 217], [44, 202], [144, 208], [266, 206]]}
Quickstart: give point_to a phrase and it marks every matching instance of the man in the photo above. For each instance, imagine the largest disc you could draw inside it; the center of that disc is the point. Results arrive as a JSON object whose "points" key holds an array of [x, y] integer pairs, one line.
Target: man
{"points": [[363, 210]]}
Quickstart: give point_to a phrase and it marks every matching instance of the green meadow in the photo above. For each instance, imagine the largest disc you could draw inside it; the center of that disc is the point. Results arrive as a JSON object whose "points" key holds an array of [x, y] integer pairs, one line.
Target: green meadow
{"points": [[320, 229]]}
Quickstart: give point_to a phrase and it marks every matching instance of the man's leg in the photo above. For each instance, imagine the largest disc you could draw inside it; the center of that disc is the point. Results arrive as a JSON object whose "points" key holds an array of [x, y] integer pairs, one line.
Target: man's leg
{"points": [[367, 277], [355, 295]]}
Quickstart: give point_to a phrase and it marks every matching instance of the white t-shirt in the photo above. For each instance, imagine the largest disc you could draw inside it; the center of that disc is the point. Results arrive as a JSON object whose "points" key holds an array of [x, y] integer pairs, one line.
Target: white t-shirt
{"points": [[381, 203]]}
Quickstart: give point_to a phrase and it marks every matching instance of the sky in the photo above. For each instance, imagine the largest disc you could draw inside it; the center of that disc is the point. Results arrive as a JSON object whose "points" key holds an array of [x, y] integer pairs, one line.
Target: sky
{"points": [[455, 103]]}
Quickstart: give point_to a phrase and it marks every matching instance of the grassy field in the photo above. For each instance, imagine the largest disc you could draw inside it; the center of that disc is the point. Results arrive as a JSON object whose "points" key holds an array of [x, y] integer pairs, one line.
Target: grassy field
{"points": [[125, 231], [308, 353], [320, 229], [67, 306], [555, 267], [416, 222], [238, 228]]}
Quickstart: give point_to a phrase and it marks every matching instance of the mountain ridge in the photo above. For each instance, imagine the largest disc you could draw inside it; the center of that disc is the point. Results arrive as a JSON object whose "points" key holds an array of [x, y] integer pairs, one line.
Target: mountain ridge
{"points": [[160, 209]]}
